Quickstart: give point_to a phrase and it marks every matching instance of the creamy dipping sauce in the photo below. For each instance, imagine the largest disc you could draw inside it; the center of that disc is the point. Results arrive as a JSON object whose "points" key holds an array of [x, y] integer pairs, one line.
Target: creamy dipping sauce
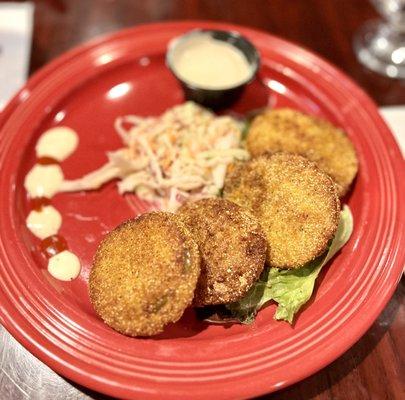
{"points": [[41, 183], [43, 180], [209, 63], [44, 222], [57, 143], [64, 266]]}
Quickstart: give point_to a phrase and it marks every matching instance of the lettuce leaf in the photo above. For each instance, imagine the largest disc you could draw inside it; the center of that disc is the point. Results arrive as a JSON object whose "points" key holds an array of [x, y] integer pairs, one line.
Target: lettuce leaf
{"points": [[291, 289]]}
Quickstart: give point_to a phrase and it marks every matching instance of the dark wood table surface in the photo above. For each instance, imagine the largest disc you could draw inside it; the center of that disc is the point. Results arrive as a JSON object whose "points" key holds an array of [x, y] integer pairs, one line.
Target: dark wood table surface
{"points": [[374, 367]]}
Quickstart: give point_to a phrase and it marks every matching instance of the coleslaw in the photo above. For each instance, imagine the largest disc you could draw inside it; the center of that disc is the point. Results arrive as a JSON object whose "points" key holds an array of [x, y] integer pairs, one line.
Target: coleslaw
{"points": [[179, 156]]}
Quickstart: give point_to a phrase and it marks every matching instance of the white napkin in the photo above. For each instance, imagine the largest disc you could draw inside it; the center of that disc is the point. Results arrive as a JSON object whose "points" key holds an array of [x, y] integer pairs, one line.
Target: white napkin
{"points": [[15, 44], [395, 118]]}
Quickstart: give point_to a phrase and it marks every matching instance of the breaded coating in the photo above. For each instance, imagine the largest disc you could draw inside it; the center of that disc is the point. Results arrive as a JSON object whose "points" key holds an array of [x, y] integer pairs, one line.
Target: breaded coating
{"points": [[232, 246], [318, 140], [296, 203], [144, 274]]}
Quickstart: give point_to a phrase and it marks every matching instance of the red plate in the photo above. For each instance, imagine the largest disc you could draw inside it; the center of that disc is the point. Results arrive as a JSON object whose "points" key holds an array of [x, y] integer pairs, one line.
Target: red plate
{"points": [[192, 359]]}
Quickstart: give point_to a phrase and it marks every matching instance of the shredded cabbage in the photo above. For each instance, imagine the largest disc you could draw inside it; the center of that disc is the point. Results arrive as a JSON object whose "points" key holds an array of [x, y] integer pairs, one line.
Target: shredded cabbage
{"points": [[179, 156]]}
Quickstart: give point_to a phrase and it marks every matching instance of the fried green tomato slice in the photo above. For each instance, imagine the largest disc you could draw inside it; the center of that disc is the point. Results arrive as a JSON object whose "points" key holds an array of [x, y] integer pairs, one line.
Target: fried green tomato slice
{"points": [[295, 202], [144, 274], [232, 246], [318, 140]]}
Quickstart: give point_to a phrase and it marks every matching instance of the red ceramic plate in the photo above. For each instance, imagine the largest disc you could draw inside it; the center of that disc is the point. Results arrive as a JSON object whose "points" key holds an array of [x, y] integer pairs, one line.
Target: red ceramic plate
{"points": [[192, 359]]}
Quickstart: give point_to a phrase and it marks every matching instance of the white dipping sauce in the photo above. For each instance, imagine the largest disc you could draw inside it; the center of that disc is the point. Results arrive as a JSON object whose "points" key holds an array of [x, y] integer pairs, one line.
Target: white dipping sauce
{"points": [[64, 266], [45, 222], [43, 180], [209, 63], [57, 143]]}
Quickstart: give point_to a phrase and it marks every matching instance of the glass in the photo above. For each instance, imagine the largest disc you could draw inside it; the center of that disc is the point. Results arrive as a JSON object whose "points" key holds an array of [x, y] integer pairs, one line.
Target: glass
{"points": [[380, 45]]}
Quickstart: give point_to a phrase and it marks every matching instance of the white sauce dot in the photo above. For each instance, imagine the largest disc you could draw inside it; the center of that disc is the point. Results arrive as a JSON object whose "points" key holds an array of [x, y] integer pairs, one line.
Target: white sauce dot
{"points": [[210, 63], [45, 222], [43, 180], [58, 143], [64, 266]]}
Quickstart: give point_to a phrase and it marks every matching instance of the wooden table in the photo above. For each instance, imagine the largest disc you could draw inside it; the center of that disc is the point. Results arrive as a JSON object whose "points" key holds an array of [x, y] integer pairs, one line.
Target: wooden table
{"points": [[374, 367]]}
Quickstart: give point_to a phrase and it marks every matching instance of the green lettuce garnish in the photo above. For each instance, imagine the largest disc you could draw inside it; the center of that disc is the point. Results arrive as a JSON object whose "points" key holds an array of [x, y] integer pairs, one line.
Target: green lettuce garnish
{"points": [[291, 289]]}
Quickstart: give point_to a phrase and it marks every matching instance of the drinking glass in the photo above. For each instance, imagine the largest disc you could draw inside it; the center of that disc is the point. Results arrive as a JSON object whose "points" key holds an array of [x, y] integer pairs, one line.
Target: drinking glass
{"points": [[380, 45]]}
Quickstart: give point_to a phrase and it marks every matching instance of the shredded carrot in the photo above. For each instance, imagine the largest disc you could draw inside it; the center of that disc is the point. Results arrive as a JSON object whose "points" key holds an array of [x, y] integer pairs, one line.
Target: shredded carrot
{"points": [[179, 156]]}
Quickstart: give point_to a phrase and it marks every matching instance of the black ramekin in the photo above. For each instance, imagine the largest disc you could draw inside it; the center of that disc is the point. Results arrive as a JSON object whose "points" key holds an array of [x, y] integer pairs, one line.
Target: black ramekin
{"points": [[216, 98]]}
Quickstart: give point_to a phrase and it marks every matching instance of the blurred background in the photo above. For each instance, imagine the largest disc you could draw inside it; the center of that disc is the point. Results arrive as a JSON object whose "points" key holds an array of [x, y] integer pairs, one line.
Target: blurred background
{"points": [[327, 27], [34, 33], [342, 31]]}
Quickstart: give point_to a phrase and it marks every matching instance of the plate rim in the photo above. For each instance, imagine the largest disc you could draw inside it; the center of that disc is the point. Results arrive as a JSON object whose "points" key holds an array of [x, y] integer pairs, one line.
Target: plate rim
{"points": [[30, 342]]}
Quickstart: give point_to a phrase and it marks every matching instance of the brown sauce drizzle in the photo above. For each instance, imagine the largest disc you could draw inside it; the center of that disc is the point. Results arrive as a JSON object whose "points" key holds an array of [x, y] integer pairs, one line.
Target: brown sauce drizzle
{"points": [[53, 245], [47, 161], [37, 203]]}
